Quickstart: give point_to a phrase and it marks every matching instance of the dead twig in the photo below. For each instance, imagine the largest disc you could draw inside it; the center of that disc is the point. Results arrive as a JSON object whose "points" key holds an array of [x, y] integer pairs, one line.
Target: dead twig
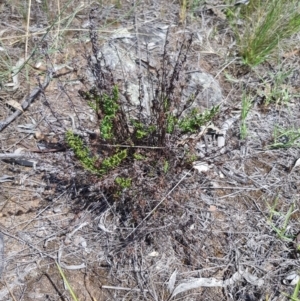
{"points": [[162, 200], [26, 103], [123, 288]]}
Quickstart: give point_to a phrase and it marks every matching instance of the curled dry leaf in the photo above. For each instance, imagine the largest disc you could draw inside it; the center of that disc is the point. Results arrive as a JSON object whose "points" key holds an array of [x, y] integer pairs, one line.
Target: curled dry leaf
{"points": [[28, 126], [297, 163], [200, 166], [291, 279], [194, 283], [19, 151], [6, 178], [39, 136], [15, 105], [225, 127]]}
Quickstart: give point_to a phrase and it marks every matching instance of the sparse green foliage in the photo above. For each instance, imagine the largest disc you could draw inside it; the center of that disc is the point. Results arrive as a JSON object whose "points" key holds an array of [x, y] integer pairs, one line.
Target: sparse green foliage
{"points": [[190, 158], [295, 295], [141, 130], [192, 122], [92, 105], [108, 105], [81, 151], [45, 6], [246, 106], [144, 193], [280, 230], [66, 282], [275, 90], [138, 156], [285, 138], [166, 166], [113, 161], [90, 162], [171, 123], [194, 4], [266, 25], [156, 130], [123, 182]]}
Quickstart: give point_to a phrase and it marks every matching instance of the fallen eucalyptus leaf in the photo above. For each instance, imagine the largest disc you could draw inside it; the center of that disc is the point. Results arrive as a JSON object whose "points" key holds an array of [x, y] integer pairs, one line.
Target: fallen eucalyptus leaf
{"points": [[68, 267], [9, 156], [72, 267], [252, 279], [225, 127], [19, 151], [228, 123], [15, 105], [28, 126], [171, 282], [292, 279], [6, 178], [196, 283], [153, 254], [200, 166], [296, 164]]}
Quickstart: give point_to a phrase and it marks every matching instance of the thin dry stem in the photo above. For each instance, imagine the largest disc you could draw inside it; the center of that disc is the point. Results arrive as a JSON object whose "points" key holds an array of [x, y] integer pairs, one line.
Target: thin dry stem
{"points": [[27, 29]]}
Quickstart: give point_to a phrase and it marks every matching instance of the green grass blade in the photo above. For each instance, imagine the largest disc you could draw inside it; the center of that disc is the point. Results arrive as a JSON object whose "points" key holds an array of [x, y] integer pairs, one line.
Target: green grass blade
{"points": [[66, 282]]}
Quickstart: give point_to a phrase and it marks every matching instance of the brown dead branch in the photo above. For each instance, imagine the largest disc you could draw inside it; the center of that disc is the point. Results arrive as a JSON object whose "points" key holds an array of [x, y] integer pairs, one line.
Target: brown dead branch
{"points": [[26, 103]]}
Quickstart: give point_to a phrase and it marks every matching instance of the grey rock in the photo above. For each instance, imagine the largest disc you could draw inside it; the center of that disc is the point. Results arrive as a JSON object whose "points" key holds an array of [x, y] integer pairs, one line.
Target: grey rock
{"points": [[134, 57]]}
